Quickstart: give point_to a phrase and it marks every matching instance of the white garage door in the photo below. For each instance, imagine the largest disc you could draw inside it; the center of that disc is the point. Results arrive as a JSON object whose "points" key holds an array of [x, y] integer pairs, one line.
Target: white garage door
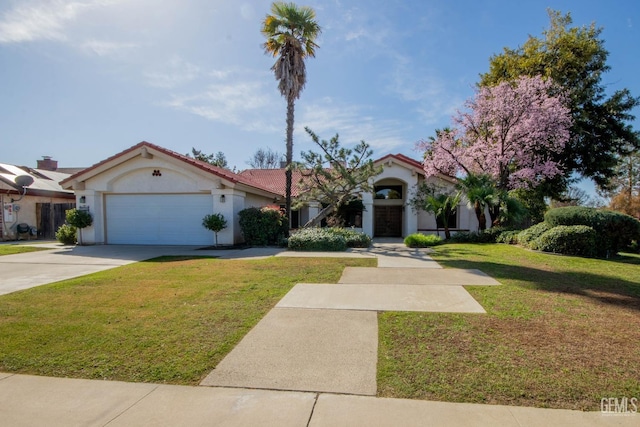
{"points": [[158, 219]]}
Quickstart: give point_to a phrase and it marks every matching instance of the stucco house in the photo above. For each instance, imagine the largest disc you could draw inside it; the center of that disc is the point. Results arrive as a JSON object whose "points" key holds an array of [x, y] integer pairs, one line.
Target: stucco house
{"points": [[39, 207], [150, 195]]}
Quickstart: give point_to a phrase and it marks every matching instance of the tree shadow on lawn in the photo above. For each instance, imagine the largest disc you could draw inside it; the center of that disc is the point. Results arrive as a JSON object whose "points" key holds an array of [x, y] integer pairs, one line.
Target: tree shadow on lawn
{"points": [[176, 258], [598, 287]]}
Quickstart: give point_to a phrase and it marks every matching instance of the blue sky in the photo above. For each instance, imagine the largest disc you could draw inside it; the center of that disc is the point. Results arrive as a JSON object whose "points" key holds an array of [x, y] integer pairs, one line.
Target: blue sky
{"points": [[81, 80]]}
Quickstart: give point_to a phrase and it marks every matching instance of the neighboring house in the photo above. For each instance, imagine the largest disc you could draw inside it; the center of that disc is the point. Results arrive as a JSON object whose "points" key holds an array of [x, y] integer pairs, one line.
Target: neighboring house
{"points": [[154, 196], [41, 208]]}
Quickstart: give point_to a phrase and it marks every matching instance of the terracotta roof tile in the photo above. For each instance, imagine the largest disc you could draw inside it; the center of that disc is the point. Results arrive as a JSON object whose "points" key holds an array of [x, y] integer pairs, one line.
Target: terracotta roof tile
{"points": [[218, 171], [273, 179]]}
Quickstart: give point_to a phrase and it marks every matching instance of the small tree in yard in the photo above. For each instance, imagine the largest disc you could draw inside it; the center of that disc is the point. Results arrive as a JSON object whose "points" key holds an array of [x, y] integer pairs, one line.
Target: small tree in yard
{"points": [[79, 219], [214, 222], [440, 201], [334, 175]]}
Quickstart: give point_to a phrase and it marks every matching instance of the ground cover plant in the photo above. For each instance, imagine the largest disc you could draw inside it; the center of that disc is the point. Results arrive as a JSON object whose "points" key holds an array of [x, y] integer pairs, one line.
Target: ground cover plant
{"points": [[561, 332], [419, 240], [168, 320], [18, 249], [327, 239]]}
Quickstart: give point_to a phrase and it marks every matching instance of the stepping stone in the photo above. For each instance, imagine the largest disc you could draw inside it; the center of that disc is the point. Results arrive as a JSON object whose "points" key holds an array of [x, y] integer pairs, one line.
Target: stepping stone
{"points": [[305, 350], [436, 298], [415, 276]]}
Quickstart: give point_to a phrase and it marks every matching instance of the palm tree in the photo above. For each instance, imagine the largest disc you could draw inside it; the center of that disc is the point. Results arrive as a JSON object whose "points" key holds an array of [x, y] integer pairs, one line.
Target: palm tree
{"points": [[442, 206], [481, 193], [291, 32]]}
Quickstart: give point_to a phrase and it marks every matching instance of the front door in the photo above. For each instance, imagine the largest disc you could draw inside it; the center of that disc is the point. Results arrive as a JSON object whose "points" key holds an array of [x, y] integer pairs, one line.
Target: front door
{"points": [[387, 221]]}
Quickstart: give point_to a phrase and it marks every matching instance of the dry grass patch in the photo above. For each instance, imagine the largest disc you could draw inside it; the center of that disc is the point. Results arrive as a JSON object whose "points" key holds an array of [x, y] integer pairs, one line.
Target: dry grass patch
{"points": [[561, 332], [169, 320]]}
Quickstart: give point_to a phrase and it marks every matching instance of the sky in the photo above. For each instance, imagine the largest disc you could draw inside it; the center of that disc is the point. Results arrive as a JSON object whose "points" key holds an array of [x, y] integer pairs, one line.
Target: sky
{"points": [[81, 80]]}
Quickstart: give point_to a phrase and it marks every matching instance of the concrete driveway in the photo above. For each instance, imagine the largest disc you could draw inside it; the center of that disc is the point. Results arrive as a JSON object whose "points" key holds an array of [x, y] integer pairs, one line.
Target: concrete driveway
{"points": [[27, 270]]}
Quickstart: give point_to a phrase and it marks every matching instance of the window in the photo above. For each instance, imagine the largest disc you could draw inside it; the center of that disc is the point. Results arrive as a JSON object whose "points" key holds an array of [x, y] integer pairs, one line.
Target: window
{"points": [[452, 220], [351, 213], [389, 192]]}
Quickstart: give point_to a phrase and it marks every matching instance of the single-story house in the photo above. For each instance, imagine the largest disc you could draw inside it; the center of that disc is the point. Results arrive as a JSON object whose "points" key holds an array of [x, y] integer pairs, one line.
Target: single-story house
{"points": [[150, 195], [37, 209]]}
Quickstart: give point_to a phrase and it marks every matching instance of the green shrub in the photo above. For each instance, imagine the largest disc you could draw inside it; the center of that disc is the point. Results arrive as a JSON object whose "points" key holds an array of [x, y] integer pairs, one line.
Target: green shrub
{"points": [[509, 237], [66, 234], [317, 239], [486, 236], [418, 240], [525, 237], [78, 218], [354, 239], [263, 226], [578, 240], [615, 230]]}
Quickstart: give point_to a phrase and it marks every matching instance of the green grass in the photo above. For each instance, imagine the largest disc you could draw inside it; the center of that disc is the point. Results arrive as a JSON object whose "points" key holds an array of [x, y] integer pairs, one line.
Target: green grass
{"points": [[561, 332], [168, 320], [18, 249]]}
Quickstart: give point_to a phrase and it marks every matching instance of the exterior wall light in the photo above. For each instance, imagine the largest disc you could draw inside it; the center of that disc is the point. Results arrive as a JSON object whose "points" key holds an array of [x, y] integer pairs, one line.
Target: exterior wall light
{"points": [[222, 199]]}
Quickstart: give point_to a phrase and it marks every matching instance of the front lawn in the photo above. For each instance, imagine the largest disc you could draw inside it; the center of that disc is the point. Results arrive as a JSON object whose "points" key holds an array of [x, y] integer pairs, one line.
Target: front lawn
{"points": [[18, 249], [562, 332], [170, 319]]}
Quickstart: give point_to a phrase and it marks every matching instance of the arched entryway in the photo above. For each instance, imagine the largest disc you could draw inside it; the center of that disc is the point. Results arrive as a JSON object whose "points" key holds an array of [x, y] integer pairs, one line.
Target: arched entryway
{"points": [[388, 208]]}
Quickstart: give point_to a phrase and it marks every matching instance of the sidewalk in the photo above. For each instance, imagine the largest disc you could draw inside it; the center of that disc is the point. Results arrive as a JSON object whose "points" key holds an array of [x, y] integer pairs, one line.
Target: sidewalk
{"points": [[41, 401], [311, 361]]}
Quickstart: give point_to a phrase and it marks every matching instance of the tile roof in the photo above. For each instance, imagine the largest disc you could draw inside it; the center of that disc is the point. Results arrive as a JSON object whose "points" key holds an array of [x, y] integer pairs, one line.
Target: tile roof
{"points": [[274, 179], [215, 170]]}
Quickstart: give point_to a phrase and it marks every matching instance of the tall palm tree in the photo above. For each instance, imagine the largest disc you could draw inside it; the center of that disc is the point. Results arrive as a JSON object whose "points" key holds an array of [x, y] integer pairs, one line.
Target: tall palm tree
{"points": [[291, 32]]}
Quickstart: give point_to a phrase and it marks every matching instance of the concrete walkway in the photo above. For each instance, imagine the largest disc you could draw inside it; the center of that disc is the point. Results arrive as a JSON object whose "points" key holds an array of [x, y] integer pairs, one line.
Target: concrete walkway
{"points": [[32, 401], [300, 366], [323, 337]]}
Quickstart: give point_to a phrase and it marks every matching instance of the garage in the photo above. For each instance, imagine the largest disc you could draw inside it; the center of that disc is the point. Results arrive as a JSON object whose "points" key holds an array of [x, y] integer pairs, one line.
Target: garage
{"points": [[157, 219]]}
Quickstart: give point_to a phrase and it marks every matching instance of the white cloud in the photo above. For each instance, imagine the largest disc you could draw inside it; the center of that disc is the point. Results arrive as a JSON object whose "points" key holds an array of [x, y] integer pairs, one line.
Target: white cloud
{"points": [[177, 73], [43, 20], [353, 124], [243, 104], [432, 99], [106, 48]]}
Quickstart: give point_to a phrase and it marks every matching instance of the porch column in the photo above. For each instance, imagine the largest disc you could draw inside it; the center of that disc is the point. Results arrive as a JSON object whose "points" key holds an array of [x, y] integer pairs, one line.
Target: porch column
{"points": [[367, 214], [228, 202]]}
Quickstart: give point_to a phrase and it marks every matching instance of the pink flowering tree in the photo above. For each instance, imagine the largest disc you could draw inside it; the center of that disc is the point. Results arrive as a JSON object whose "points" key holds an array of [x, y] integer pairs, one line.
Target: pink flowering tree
{"points": [[510, 132]]}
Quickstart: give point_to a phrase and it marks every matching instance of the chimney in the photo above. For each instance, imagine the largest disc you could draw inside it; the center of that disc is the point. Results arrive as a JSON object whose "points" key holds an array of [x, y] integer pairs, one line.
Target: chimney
{"points": [[47, 163]]}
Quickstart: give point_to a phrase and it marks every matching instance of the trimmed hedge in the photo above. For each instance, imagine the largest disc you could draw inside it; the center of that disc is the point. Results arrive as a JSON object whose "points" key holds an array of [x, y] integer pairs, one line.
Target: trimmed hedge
{"points": [[509, 237], [490, 235], [316, 239], [263, 226], [354, 239], [418, 240], [615, 230], [327, 239], [525, 237], [578, 240]]}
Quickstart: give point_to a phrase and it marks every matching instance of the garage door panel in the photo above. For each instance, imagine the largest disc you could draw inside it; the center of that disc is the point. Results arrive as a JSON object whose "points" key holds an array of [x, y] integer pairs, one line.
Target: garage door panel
{"points": [[158, 219]]}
